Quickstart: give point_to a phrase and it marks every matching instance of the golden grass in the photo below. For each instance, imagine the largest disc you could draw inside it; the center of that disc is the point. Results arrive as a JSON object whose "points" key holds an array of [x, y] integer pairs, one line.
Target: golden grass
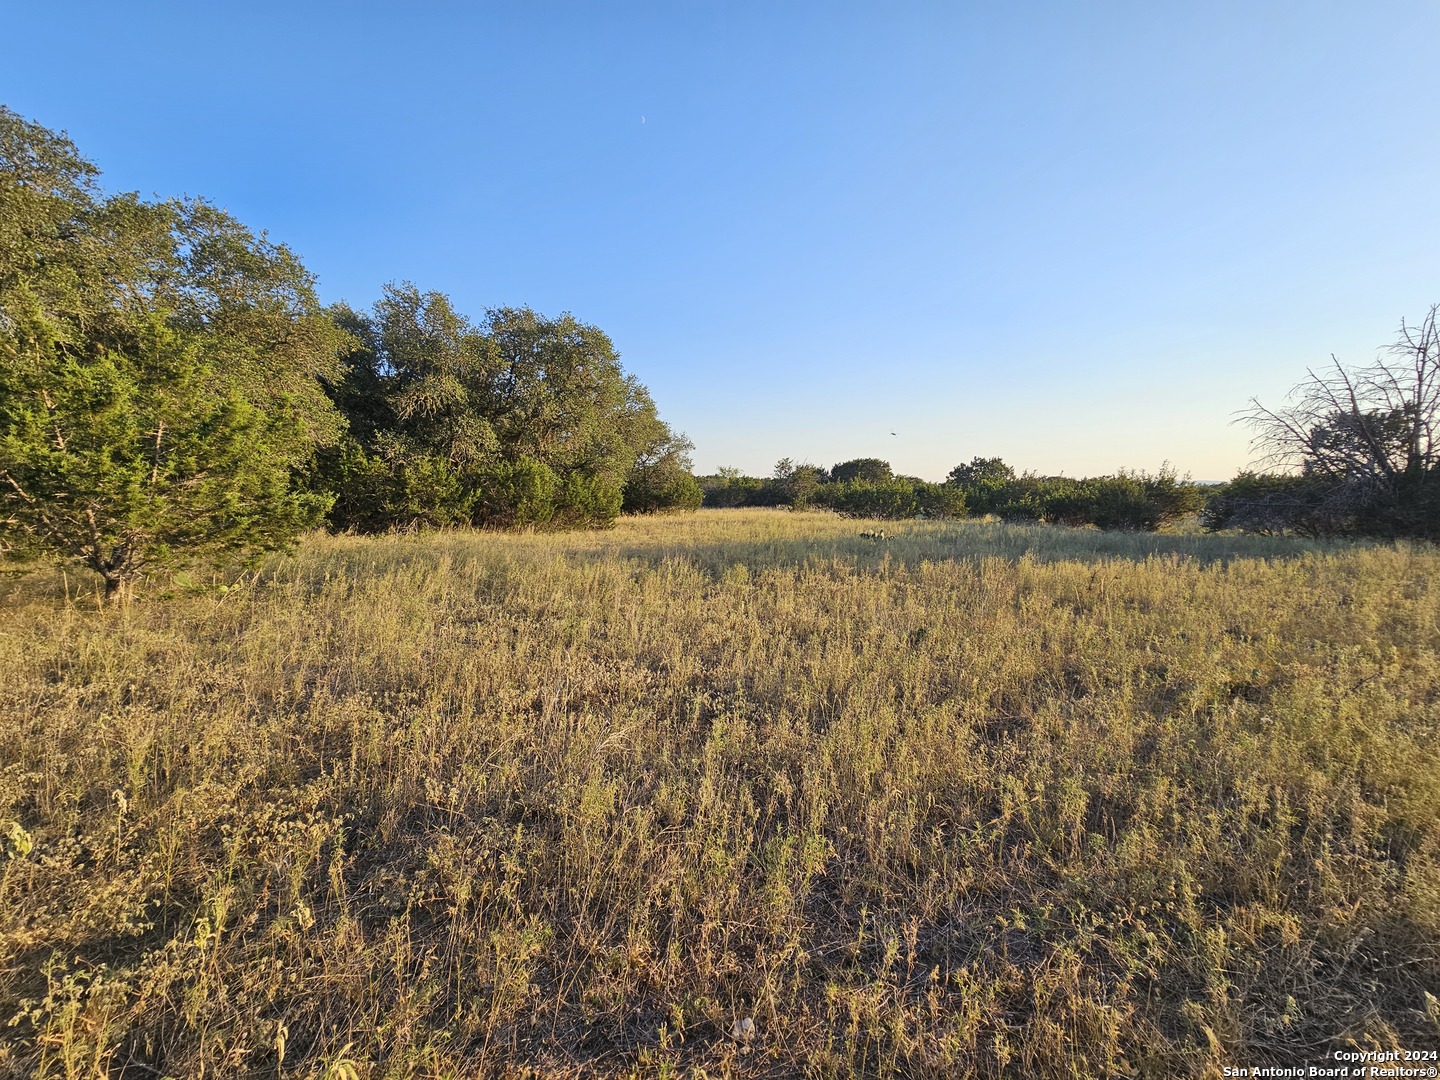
{"points": [[974, 800]]}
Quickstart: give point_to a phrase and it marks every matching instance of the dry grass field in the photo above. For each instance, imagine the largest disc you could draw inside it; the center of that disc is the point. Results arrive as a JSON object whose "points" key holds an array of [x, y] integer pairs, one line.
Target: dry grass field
{"points": [[972, 800]]}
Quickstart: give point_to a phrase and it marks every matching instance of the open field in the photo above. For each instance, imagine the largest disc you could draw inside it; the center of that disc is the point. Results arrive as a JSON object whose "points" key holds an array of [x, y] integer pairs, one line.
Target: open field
{"points": [[974, 800]]}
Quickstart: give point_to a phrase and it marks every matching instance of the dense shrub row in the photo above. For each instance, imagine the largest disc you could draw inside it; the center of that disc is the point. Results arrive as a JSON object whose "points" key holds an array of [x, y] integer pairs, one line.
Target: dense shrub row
{"points": [[867, 488], [899, 497], [1309, 504], [862, 488], [1126, 500]]}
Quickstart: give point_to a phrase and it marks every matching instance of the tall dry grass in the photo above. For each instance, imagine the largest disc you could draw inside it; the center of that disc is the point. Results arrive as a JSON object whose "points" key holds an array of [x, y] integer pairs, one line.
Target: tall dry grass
{"points": [[974, 800]]}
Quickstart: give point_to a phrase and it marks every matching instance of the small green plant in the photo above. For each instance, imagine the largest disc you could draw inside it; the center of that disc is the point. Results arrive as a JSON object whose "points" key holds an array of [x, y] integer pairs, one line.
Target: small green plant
{"points": [[18, 843]]}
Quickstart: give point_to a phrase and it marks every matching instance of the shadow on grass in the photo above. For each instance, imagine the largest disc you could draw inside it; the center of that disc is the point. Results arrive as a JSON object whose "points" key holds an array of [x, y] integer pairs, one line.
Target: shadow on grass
{"points": [[907, 545], [717, 545]]}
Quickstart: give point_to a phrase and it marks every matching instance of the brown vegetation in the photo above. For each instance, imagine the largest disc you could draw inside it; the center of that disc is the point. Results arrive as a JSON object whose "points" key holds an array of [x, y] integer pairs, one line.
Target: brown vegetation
{"points": [[974, 800]]}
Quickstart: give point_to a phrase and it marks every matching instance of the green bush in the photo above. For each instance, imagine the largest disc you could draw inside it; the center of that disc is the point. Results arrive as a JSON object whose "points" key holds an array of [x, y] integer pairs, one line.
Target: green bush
{"points": [[1066, 501], [863, 470], [940, 500], [587, 502], [1127, 500], [729, 489], [889, 499], [1272, 503], [892, 500], [658, 489], [1021, 499], [516, 494], [391, 489]]}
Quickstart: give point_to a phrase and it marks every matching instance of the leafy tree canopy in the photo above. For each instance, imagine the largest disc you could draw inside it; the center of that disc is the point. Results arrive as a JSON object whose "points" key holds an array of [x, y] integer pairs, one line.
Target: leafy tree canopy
{"points": [[981, 471], [866, 470], [520, 419], [159, 370]]}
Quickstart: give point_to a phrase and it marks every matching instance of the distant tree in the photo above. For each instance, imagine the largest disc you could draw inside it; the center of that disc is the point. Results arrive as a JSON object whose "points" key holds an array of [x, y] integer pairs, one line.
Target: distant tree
{"points": [[795, 484], [991, 471], [1127, 500], [1169, 497], [1367, 437], [728, 487], [940, 500], [888, 499], [1068, 501], [866, 470], [895, 498], [1023, 498], [991, 487]]}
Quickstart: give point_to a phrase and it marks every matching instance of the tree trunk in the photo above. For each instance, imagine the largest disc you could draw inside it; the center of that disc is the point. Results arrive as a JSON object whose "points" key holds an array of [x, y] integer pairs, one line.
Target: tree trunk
{"points": [[114, 568]]}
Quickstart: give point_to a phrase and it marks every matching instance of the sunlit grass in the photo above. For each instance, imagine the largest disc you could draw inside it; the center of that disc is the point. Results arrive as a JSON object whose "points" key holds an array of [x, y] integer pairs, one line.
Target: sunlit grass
{"points": [[970, 800]]}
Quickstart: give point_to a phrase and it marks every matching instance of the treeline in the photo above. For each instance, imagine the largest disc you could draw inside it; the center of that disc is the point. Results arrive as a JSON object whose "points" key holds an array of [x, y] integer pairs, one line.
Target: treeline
{"points": [[867, 487], [1384, 488], [864, 487], [1353, 453], [171, 388]]}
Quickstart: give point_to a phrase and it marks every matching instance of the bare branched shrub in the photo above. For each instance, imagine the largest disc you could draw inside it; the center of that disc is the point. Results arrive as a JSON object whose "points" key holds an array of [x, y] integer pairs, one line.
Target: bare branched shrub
{"points": [[1364, 437]]}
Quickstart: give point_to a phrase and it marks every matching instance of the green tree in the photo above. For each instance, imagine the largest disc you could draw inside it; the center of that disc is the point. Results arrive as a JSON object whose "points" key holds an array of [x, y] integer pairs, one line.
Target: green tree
{"points": [[515, 411], [440, 372], [97, 263], [661, 479], [980, 471], [865, 470], [794, 484], [137, 454], [159, 370], [891, 499], [729, 487], [991, 487], [894, 498], [940, 500], [256, 305]]}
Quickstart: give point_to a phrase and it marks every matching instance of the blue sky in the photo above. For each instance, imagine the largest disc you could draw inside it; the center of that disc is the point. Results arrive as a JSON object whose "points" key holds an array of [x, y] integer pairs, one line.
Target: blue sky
{"points": [[1078, 236]]}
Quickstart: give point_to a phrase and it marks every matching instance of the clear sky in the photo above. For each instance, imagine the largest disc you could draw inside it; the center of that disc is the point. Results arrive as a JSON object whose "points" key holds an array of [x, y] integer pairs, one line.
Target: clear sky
{"points": [[1076, 235]]}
